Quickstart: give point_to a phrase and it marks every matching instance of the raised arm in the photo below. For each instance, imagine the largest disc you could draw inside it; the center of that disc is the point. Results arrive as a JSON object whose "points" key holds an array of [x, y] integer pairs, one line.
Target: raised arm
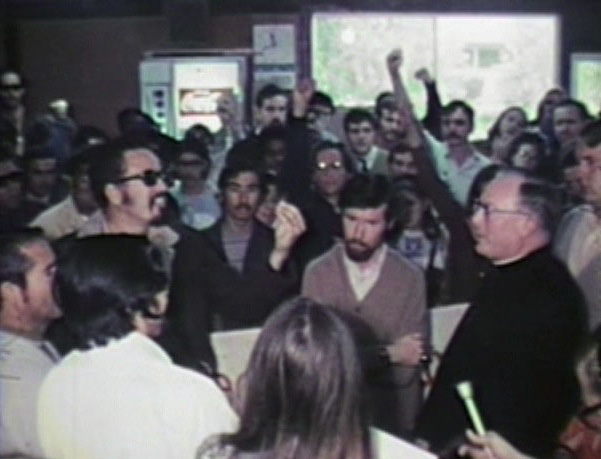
{"points": [[433, 117], [394, 60]]}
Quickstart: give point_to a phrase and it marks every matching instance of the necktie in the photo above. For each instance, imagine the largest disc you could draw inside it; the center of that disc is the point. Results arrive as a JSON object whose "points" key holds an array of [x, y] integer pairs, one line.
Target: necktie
{"points": [[363, 166]]}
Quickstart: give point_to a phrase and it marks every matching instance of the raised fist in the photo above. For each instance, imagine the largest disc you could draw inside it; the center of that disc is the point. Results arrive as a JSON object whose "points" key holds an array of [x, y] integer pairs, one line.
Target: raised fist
{"points": [[394, 60], [423, 75]]}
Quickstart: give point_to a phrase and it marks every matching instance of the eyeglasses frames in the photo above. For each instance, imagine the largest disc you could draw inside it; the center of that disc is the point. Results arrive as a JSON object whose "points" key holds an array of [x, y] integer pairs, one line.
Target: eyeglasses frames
{"points": [[150, 178], [488, 210]]}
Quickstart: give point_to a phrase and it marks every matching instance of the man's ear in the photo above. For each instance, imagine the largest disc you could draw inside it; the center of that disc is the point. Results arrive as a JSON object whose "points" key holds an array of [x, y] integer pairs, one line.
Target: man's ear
{"points": [[528, 225], [12, 294], [392, 221], [112, 193]]}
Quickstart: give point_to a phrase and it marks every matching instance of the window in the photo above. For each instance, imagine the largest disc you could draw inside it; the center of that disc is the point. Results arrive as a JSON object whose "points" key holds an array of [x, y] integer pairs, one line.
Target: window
{"points": [[491, 61], [586, 80]]}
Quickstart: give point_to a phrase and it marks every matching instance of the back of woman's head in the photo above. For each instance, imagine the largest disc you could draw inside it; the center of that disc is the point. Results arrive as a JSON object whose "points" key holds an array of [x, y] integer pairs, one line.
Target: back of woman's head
{"points": [[304, 388], [103, 281]]}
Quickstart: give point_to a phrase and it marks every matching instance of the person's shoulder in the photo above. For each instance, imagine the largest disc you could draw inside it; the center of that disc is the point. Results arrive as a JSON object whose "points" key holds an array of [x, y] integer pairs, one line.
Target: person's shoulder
{"points": [[381, 152], [22, 358], [582, 214], [324, 262], [60, 209], [481, 158], [403, 264], [549, 271], [191, 237]]}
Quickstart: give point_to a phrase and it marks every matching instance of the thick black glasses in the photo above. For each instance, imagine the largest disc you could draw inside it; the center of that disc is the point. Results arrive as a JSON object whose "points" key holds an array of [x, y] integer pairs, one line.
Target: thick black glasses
{"points": [[150, 178]]}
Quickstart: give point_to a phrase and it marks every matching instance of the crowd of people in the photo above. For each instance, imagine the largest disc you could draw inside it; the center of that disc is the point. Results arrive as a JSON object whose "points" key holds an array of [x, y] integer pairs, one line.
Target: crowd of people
{"points": [[120, 255]]}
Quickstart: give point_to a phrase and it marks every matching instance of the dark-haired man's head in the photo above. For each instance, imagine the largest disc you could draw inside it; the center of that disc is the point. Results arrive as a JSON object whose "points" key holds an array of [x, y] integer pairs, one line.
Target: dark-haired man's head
{"points": [[129, 185], [77, 167], [271, 105], [199, 133], [457, 123], [570, 170], [320, 111], [360, 129], [589, 159], [393, 124], [110, 285], [274, 148], [27, 267], [569, 117], [192, 163], [242, 188], [11, 182], [365, 205], [134, 120], [401, 163], [41, 172]]}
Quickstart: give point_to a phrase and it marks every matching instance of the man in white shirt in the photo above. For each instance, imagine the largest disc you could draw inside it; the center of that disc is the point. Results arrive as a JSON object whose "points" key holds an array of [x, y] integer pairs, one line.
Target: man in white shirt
{"points": [[119, 394], [27, 306]]}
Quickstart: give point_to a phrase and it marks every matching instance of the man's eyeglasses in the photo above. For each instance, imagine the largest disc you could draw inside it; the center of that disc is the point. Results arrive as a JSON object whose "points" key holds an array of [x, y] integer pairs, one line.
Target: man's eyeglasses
{"points": [[488, 210], [323, 166], [150, 178]]}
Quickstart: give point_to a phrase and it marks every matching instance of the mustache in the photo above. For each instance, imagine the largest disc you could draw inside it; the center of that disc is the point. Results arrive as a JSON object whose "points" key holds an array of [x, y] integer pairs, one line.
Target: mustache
{"points": [[243, 206], [452, 135], [356, 243]]}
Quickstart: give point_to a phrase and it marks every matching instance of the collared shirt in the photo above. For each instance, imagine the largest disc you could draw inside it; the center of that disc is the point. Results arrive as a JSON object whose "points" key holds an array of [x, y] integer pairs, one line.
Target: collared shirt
{"points": [[24, 363], [459, 178], [96, 224], [127, 399], [364, 276], [59, 220], [376, 161]]}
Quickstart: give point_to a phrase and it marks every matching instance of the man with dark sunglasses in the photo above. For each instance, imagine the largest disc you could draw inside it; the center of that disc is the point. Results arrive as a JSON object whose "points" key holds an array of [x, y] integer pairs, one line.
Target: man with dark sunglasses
{"points": [[12, 110], [129, 186]]}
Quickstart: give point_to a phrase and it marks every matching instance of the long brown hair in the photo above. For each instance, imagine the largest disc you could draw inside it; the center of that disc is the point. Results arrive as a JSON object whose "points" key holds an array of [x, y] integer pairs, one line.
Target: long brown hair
{"points": [[304, 389]]}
